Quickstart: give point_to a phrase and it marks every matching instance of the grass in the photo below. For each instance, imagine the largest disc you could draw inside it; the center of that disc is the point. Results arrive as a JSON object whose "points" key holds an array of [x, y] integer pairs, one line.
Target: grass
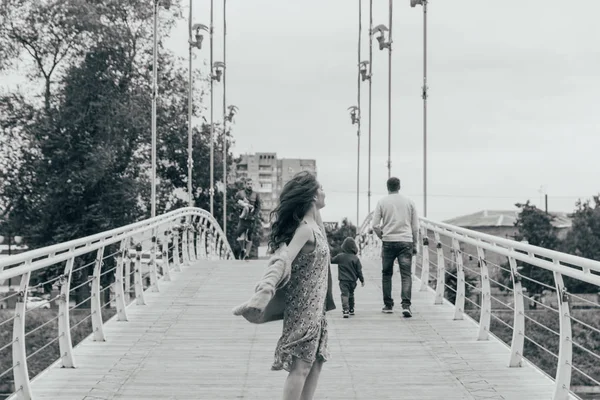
{"points": [[36, 339]]}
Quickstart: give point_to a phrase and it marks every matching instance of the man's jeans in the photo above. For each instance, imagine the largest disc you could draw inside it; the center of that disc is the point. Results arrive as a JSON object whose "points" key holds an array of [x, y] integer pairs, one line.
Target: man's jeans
{"points": [[390, 251]]}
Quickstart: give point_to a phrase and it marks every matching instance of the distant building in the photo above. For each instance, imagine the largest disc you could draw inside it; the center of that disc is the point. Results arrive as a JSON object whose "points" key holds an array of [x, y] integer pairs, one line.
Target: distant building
{"points": [[502, 223], [269, 174], [499, 223]]}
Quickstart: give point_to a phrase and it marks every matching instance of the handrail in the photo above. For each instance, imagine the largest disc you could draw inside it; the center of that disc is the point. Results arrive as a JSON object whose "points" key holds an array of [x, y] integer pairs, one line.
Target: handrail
{"points": [[61, 251], [444, 241], [563, 257], [174, 239]]}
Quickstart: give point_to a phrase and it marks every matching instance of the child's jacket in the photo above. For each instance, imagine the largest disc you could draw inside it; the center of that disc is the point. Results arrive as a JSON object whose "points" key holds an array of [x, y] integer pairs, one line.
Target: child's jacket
{"points": [[349, 266]]}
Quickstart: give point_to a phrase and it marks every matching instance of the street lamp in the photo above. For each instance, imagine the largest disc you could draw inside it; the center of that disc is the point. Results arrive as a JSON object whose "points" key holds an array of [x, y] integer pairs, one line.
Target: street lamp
{"points": [[355, 118], [166, 4], [363, 68], [232, 111], [218, 70], [414, 3], [381, 29], [195, 40]]}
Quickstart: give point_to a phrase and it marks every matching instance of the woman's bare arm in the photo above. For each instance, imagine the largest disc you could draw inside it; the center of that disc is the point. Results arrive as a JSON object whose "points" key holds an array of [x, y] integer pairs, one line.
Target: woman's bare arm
{"points": [[302, 235]]}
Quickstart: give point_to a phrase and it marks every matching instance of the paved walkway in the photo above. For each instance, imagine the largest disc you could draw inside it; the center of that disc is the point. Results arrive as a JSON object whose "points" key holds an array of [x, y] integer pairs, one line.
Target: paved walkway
{"points": [[186, 344]]}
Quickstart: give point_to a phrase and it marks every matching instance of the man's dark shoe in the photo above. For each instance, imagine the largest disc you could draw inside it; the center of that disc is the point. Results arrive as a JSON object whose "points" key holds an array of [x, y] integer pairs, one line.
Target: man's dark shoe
{"points": [[345, 314], [406, 312], [387, 309], [352, 311]]}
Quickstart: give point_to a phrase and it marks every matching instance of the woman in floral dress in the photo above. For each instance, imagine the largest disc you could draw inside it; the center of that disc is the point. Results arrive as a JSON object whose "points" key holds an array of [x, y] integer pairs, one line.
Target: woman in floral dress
{"points": [[302, 348]]}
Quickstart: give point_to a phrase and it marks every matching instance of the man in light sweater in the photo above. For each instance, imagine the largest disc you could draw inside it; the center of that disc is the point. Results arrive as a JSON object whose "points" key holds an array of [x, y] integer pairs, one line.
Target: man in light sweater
{"points": [[395, 222]]}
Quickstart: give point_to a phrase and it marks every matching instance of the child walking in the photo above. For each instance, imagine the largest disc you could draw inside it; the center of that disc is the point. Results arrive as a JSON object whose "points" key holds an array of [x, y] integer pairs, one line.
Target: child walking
{"points": [[349, 271]]}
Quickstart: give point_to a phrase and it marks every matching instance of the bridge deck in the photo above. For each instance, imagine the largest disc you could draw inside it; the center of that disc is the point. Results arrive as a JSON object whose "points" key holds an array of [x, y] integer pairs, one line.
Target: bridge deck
{"points": [[186, 344]]}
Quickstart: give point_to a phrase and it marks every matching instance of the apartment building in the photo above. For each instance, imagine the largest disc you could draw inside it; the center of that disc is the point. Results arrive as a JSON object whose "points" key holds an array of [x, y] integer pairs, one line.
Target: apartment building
{"points": [[269, 174]]}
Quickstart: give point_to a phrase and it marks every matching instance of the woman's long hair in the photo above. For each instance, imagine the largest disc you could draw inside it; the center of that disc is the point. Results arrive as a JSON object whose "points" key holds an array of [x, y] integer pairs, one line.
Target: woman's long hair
{"points": [[295, 200]]}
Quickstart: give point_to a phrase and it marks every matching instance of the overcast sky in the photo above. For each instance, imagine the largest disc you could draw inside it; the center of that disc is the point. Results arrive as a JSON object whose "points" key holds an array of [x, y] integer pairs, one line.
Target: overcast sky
{"points": [[514, 96], [513, 99]]}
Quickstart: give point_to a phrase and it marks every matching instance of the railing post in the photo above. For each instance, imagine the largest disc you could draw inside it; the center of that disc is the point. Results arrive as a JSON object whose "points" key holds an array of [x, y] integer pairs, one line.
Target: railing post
{"points": [[459, 301], [119, 277], [19, 352], [166, 265], [486, 297], [425, 265], [95, 304], [203, 245], [65, 343], [191, 243], [518, 337], [441, 271], [127, 277], [213, 243], [208, 243], [138, 284], [219, 247], [199, 253], [413, 261], [176, 250], [184, 247], [152, 264], [216, 242], [188, 245], [565, 350]]}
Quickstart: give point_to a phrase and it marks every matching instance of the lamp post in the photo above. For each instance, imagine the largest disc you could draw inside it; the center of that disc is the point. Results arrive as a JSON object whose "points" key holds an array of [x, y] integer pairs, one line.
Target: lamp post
{"points": [[355, 118], [413, 3], [361, 66], [364, 74], [166, 5], [196, 41], [228, 118], [370, 102], [387, 44], [225, 118], [212, 125], [229, 112], [218, 69]]}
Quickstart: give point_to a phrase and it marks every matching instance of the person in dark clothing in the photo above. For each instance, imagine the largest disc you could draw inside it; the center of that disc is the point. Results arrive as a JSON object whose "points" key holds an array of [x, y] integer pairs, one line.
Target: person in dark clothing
{"points": [[248, 202], [349, 271]]}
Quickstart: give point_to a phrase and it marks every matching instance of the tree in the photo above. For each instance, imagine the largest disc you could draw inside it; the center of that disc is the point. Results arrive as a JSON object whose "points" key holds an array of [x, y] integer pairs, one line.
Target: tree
{"points": [[583, 240], [83, 170], [534, 226], [337, 236], [48, 32]]}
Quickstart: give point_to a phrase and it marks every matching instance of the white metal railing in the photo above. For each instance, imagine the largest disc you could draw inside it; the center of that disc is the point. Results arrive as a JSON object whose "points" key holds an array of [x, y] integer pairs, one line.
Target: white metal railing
{"points": [[453, 261], [113, 268]]}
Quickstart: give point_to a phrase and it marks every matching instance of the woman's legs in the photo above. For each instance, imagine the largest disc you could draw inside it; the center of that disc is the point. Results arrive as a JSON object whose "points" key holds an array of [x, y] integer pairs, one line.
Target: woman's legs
{"points": [[311, 381], [295, 382]]}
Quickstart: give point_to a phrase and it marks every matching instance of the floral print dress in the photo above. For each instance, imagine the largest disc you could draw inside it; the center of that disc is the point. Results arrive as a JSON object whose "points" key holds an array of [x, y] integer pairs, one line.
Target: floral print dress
{"points": [[304, 324]]}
